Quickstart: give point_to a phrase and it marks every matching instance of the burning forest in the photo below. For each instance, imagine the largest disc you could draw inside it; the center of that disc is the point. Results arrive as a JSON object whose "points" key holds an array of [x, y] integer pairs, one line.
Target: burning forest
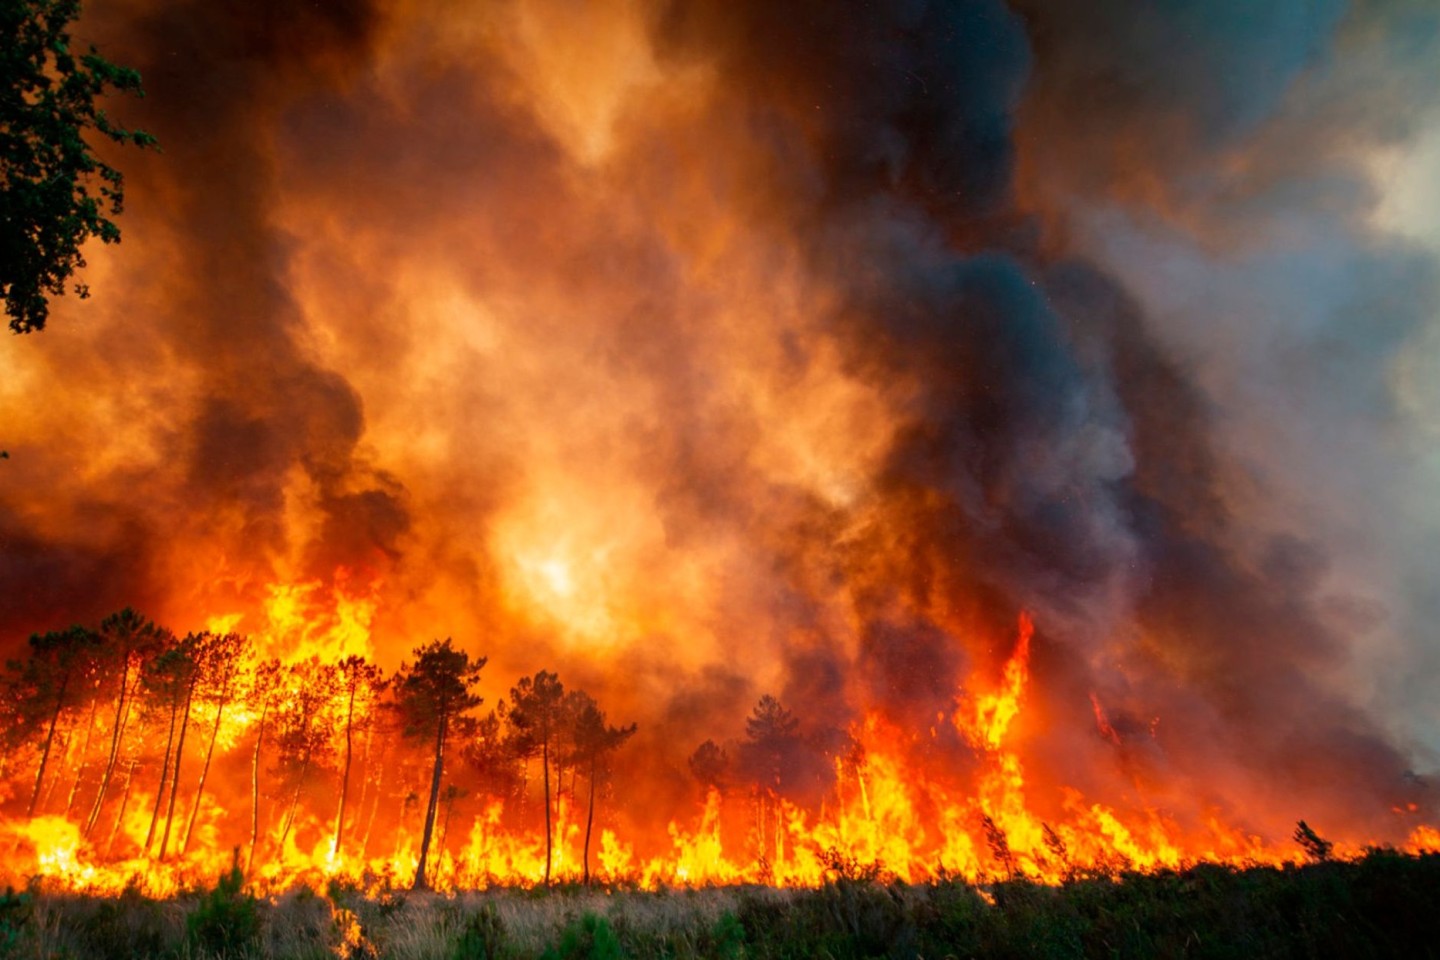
{"points": [[713, 442]]}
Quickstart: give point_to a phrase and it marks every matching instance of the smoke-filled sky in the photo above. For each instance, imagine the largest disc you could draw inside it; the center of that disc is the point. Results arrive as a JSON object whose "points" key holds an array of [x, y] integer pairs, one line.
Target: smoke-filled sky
{"points": [[704, 349]]}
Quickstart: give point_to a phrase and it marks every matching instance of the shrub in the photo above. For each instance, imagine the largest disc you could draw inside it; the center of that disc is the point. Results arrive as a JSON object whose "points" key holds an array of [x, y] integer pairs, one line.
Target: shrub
{"points": [[590, 938], [226, 921], [727, 938], [131, 925], [482, 937], [16, 910]]}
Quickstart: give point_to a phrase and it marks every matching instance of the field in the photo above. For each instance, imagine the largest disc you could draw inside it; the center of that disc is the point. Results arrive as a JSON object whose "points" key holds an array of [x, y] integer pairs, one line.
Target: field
{"points": [[1380, 905]]}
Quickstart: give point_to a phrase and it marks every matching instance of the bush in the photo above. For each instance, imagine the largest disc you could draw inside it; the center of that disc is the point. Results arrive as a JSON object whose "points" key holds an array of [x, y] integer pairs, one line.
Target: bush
{"points": [[16, 910], [226, 921], [131, 925], [591, 938], [727, 938], [482, 937]]}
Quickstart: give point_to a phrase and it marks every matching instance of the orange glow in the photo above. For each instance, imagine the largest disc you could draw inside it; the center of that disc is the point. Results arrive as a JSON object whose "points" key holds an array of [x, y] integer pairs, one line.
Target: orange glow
{"points": [[548, 328]]}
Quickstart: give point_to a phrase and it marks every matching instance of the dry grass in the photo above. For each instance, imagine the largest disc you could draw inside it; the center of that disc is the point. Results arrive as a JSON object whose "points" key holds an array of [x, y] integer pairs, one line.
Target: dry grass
{"points": [[1380, 905]]}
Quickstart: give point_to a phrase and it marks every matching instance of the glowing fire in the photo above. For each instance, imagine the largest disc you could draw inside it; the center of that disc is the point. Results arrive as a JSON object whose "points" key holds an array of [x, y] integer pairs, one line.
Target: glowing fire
{"points": [[887, 814], [604, 344]]}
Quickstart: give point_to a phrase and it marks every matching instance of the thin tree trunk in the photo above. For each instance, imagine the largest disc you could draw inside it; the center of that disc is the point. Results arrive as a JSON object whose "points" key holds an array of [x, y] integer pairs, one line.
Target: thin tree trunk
{"points": [[124, 802], [67, 747], [444, 829], [345, 776], [440, 724], [294, 802], [375, 795], [84, 755], [589, 818], [45, 753], [121, 715], [175, 778], [365, 780], [205, 769], [545, 765], [255, 791], [164, 778]]}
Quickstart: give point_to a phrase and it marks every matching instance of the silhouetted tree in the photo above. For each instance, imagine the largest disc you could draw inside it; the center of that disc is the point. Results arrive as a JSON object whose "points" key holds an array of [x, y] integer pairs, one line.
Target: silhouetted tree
{"points": [[221, 658], [710, 766], [432, 695], [493, 758], [262, 697], [593, 742], [770, 733], [50, 203], [1316, 847], [359, 683], [305, 725], [89, 699], [48, 683], [169, 682], [770, 737], [126, 641], [536, 711]]}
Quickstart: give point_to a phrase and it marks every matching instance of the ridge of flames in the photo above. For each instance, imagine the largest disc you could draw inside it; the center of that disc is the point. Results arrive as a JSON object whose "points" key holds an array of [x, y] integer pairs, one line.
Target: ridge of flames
{"points": [[887, 818]]}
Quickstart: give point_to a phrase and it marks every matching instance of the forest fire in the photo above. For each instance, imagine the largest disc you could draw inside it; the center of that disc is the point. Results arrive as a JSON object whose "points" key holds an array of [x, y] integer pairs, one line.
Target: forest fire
{"points": [[699, 443], [310, 730]]}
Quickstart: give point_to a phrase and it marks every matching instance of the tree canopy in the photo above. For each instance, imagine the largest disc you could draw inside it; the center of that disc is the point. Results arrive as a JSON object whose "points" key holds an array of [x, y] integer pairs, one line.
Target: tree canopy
{"points": [[55, 193]]}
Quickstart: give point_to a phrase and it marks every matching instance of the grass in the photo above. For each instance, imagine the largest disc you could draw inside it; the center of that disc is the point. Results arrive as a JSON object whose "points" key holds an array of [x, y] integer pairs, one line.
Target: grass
{"points": [[1381, 905]]}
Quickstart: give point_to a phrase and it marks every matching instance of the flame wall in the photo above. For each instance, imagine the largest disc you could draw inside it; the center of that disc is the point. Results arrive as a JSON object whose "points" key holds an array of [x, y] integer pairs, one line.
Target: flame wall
{"points": [[706, 349]]}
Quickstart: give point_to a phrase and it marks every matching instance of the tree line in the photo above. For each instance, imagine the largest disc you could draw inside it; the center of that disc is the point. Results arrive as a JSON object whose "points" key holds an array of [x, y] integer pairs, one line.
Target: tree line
{"points": [[105, 716]]}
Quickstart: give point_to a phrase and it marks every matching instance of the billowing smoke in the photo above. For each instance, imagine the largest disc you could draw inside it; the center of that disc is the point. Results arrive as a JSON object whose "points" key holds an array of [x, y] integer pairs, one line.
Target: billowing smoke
{"points": [[700, 350]]}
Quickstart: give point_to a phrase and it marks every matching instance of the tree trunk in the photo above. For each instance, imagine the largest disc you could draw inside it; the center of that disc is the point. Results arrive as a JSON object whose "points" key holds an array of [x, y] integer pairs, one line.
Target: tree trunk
{"points": [[164, 778], [440, 724], [67, 748], [255, 791], [121, 715], [294, 803], [375, 795], [444, 827], [205, 770], [589, 819], [45, 753], [80, 767], [124, 802], [175, 779], [549, 839], [344, 776]]}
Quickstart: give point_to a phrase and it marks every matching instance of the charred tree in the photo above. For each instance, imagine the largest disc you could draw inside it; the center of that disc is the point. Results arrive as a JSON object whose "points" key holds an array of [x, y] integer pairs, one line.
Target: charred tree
{"points": [[126, 640], [359, 683], [169, 680], [47, 685], [593, 743], [221, 657], [536, 708], [305, 729], [261, 698], [433, 696]]}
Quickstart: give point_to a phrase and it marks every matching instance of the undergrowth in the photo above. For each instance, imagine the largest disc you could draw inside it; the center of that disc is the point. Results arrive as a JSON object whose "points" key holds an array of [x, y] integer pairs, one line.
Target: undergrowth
{"points": [[1381, 905]]}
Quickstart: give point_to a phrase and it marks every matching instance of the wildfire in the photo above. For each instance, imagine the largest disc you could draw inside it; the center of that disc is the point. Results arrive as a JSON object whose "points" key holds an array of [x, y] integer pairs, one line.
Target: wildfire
{"points": [[887, 814], [819, 511]]}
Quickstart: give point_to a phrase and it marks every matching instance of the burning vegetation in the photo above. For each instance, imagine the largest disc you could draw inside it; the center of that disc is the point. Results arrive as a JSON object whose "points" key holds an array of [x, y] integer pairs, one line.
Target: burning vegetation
{"points": [[374, 779], [904, 440]]}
